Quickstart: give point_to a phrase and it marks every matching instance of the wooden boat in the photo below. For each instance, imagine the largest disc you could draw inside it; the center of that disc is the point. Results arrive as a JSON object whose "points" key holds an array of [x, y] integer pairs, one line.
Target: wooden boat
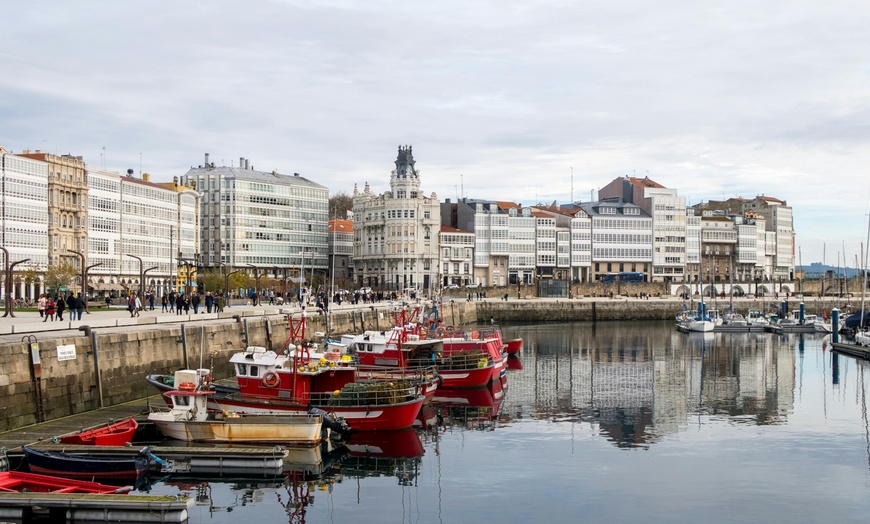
{"points": [[84, 466], [18, 482], [112, 434], [189, 419]]}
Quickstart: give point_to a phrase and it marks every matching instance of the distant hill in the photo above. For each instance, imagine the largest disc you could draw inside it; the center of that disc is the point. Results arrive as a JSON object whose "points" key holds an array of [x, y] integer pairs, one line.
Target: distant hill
{"points": [[816, 269]]}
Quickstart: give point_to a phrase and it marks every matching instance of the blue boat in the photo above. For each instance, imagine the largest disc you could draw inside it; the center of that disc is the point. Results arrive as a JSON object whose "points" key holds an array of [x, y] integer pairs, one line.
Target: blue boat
{"points": [[64, 464]]}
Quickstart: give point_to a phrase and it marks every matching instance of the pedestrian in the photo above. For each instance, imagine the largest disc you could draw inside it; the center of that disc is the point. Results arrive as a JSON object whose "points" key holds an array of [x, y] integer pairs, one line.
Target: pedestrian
{"points": [[49, 309], [172, 299], [151, 301], [40, 304], [219, 304], [209, 301], [194, 301], [61, 306], [179, 304], [80, 305], [165, 303], [108, 301], [186, 303]]}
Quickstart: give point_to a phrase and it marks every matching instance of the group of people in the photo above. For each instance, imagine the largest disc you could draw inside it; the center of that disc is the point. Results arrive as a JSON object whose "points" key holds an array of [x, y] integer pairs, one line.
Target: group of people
{"points": [[52, 307], [181, 303]]}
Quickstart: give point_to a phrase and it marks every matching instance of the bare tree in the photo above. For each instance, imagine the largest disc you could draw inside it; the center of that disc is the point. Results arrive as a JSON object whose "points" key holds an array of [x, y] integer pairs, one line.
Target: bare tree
{"points": [[339, 204]]}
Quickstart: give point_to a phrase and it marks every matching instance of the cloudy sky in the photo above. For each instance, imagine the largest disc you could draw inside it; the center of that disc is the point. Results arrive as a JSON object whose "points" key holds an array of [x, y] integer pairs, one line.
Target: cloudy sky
{"points": [[500, 100]]}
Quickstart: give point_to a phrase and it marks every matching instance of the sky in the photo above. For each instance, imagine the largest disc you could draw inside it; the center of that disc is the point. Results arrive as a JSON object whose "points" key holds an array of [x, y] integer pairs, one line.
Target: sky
{"points": [[531, 102]]}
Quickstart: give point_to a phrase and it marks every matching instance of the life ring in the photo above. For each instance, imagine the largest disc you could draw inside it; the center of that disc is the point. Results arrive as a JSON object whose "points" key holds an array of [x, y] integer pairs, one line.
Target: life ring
{"points": [[270, 380], [187, 386]]}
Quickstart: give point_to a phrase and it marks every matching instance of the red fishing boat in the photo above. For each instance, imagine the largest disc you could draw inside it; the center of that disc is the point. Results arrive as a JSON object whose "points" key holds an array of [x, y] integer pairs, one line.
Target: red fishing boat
{"points": [[112, 434], [17, 482]]}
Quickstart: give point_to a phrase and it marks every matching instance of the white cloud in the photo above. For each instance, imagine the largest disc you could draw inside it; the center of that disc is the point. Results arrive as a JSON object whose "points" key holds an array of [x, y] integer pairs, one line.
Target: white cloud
{"points": [[714, 99]]}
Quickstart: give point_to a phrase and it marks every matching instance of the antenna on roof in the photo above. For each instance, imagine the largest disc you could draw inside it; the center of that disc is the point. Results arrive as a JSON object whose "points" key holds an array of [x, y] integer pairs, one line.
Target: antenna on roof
{"points": [[572, 184]]}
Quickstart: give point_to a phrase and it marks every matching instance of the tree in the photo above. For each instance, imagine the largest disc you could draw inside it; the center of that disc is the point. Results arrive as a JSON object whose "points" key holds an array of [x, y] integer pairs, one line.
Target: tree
{"points": [[59, 276], [339, 204], [211, 281]]}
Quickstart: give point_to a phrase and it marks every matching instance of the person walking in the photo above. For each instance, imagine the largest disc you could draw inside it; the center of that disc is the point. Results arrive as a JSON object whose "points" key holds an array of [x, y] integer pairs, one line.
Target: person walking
{"points": [[173, 299], [40, 304], [209, 301], [61, 306], [165, 303], [185, 302], [80, 305], [194, 301], [151, 301], [49, 309], [179, 304]]}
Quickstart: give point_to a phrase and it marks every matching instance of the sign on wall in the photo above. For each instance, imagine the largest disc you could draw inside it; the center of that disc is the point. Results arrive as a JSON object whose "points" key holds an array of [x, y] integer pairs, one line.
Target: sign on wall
{"points": [[67, 352]]}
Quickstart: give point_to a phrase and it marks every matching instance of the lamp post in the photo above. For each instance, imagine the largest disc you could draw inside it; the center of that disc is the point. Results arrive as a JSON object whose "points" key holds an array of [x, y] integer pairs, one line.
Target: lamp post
{"points": [[145, 273], [8, 291], [85, 270], [227, 283], [141, 275]]}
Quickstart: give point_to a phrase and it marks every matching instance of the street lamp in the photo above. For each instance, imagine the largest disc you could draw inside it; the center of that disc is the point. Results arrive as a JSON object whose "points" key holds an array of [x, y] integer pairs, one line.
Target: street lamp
{"points": [[9, 269], [85, 270], [257, 275], [141, 275], [227, 283]]}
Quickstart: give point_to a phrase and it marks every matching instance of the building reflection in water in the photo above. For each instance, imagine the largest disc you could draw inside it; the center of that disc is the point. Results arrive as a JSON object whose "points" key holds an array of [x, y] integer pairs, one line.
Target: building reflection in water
{"points": [[638, 382]]}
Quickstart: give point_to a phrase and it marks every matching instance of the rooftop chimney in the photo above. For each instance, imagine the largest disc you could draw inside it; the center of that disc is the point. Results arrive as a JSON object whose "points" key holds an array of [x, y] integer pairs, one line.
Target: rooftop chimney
{"points": [[206, 160]]}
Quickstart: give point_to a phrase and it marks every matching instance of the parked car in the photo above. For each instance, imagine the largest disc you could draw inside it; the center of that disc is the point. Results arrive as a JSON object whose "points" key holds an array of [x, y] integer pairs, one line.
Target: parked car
{"points": [[452, 286], [472, 286]]}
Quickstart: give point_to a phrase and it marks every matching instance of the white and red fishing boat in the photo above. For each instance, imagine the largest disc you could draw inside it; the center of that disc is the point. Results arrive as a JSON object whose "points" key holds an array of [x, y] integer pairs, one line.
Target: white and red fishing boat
{"points": [[301, 377], [399, 349], [190, 419]]}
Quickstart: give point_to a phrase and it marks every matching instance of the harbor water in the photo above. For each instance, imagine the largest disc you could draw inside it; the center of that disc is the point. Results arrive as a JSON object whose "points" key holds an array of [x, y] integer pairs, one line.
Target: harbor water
{"points": [[606, 422]]}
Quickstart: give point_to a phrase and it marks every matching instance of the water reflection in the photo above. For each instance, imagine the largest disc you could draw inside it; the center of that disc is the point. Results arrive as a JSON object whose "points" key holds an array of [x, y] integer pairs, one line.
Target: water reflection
{"points": [[733, 426], [639, 385]]}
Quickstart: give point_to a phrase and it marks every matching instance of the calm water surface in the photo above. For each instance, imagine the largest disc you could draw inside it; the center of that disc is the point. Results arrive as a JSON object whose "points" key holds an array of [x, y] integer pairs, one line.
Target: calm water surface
{"points": [[600, 422]]}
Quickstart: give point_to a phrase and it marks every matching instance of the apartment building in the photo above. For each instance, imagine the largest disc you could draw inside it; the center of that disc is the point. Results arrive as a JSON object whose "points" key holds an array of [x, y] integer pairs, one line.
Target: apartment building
{"points": [[138, 228], [622, 238], [668, 212], [340, 245], [457, 257], [24, 221], [396, 232], [272, 223], [67, 207]]}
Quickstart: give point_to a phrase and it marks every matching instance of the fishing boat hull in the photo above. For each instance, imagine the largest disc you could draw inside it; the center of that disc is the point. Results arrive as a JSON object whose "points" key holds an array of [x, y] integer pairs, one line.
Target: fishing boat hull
{"points": [[360, 417], [466, 378], [83, 466], [114, 434], [296, 429]]}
